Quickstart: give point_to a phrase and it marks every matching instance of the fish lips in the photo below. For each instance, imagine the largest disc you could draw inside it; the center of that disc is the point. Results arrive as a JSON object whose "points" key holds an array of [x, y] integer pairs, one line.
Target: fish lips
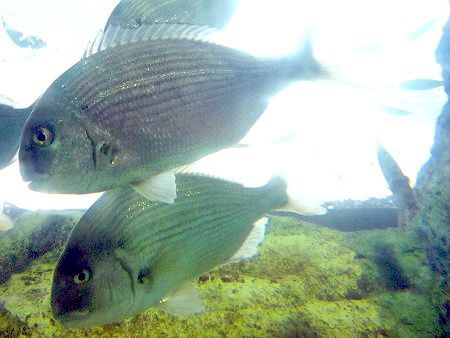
{"points": [[69, 313], [31, 169], [37, 171], [73, 319]]}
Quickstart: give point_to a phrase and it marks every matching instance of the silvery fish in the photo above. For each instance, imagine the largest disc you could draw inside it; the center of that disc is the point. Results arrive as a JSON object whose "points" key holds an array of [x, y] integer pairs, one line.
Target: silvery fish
{"points": [[134, 13], [127, 253], [12, 121], [143, 102], [128, 13]]}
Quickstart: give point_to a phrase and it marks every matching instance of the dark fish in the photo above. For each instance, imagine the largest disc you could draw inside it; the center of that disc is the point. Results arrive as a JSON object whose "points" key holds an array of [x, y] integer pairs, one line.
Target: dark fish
{"points": [[146, 101], [12, 121], [135, 13], [352, 219], [24, 41], [421, 84], [127, 253]]}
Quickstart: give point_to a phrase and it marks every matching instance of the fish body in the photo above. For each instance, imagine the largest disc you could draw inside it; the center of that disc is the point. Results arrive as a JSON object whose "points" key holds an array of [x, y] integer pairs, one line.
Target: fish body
{"points": [[127, 253], [134, 13], [12, 121], [140, 108]]}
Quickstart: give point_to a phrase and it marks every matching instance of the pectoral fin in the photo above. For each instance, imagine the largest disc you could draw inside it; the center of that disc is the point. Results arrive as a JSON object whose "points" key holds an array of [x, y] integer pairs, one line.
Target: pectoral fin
{"points": [[159, 188], [183, 302]]}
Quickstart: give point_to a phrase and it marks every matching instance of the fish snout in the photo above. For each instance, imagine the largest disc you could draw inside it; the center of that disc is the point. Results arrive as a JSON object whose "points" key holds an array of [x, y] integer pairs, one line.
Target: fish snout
{"points": [[66, 311], [58, 308], [31, 168]]}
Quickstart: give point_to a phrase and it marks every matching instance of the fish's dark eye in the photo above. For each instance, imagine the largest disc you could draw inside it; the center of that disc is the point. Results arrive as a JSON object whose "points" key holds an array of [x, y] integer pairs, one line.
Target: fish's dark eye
{"points": [[43, 137], [82, 277]]}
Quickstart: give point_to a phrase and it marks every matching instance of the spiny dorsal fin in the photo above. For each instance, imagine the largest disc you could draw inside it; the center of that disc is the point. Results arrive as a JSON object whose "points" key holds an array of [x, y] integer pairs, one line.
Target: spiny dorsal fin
{"points": [[117, 35], [93, 46]]}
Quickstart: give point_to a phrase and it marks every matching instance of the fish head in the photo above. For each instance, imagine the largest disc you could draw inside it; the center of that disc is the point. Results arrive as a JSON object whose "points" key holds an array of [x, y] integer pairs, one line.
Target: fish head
{"points": [[55, 152], [90, 289]]}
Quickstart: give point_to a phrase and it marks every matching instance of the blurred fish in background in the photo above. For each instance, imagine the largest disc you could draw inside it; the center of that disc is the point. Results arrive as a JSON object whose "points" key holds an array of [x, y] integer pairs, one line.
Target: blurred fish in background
{"points": [[22, 40]]}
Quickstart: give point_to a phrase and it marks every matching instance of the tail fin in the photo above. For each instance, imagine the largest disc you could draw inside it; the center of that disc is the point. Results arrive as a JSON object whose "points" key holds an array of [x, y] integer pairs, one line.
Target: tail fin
{"points": [[306, 66], [292, 198], [12, 121]]}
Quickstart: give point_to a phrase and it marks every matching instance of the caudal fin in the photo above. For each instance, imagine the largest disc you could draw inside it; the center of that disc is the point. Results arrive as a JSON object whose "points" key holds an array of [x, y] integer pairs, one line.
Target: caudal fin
{"points": [[308, 66], [12, 121], [293, 198]]}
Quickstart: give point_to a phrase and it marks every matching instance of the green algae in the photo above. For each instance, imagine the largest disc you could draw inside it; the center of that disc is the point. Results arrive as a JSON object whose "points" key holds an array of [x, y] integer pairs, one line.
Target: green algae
{"points": [[307, 281]]}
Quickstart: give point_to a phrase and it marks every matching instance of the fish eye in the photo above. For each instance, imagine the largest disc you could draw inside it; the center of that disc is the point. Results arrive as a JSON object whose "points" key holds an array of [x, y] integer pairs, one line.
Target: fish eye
{"points": [[43, 136], [82, 277]]}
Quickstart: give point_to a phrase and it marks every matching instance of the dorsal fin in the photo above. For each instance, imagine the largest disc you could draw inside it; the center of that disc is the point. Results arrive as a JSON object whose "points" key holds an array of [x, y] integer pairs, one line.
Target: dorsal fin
{"points": [[93, 46], [117, 35]]}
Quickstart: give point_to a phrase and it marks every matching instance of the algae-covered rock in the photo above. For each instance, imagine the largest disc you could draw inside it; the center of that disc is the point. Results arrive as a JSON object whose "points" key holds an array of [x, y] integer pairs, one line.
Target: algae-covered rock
{"points": [[33, 234], [306, 282]]}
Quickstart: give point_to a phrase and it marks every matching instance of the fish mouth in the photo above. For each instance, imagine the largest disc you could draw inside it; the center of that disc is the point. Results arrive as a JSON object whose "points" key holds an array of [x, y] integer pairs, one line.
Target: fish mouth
{"points": [[41, 186], [71, 319], [34, 177]]}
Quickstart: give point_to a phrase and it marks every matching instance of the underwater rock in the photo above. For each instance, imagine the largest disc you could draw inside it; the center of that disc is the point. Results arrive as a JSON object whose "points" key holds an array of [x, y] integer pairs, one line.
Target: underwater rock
{"points": [[34, 234], [304, 282]]}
